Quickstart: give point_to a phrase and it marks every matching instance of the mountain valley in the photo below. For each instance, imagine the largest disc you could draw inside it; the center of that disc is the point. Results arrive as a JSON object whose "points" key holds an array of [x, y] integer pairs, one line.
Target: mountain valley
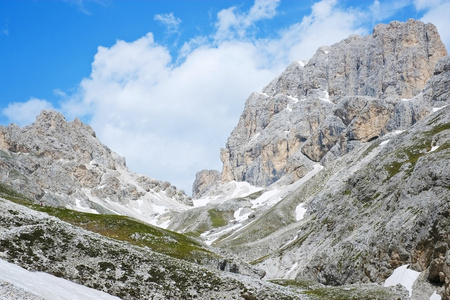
{"points": [[335, 185]]}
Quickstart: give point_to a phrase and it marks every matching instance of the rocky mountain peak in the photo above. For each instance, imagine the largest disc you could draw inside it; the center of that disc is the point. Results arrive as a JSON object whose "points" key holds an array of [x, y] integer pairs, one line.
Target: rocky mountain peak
{"points": [[50, 121], [351, 92], [64, 164]]}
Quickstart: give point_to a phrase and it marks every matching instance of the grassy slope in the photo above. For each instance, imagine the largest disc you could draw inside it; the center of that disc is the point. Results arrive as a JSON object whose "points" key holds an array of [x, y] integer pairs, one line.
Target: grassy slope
{"points": [[122, 228]]}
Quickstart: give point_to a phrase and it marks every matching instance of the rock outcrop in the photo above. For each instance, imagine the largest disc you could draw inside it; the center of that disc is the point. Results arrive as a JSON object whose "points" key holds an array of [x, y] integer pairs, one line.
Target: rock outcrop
{"points": [[63, 164], [354, 91], [383, 205], [42, 243], [204, 180]]}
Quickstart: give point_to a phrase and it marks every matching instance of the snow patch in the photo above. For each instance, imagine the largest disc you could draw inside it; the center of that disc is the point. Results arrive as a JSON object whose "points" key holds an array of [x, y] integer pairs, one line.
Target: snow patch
{"points": [[210, 236], [299, 212], [293, 98], [201, 202], [164, 224], [384, 143], [159, 208], [434, 148], [226, 191], [80, 207], [48, 286], [435, 296], [293, 267], [325, 97], [244, 189], [138, 210], [295, 237], [302, 63], [404, 276], [261, 200], [406, 100], [435, 109]]}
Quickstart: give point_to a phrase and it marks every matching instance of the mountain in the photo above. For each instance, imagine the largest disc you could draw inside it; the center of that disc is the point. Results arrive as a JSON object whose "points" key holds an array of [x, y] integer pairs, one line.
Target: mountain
{"points": [[335, 185], [346, 161], [351, 92], [62, 163], [118, 255]]}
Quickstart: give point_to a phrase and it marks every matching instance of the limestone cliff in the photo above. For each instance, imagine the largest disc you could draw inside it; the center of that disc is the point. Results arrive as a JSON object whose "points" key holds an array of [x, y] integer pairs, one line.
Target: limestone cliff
{"points": [[63, 164], [204, 180], [351, 92]]}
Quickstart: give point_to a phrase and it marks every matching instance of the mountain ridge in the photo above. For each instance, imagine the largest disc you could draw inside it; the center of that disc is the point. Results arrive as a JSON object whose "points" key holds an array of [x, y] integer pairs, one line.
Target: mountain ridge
{"points": [[337, 174], [64, 164], [318, 110]]}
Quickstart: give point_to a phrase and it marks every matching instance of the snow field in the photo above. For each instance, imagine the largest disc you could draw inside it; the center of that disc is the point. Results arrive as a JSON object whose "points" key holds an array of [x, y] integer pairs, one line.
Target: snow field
{"points": [[48, 286]]}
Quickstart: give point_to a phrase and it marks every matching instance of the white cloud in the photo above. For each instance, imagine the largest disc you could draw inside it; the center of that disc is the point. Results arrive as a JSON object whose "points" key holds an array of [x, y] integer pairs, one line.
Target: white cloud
{"points": [[427, 4], [24, 113], [169, 116], [262, 9], [437, 12], [170, 21], [383, 10], [231, 24], [327, 24]]}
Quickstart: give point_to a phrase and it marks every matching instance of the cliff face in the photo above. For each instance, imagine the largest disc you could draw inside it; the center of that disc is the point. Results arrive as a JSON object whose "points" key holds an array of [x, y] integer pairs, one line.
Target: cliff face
{"points": [[362, 131], [351, 92], [63, 164]]}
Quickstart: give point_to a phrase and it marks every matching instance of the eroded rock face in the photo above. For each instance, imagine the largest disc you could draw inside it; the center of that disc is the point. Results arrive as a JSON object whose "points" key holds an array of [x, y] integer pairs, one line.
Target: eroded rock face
{"points": [[383, 205], [64, 164], [203, 181], [353, 91]]}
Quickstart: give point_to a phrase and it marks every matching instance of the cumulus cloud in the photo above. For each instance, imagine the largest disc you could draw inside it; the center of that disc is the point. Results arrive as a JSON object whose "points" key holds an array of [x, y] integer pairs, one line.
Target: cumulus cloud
{"points": [[382, 10], [231, 24], [427, 4], [436, 12], [24, 113], [169, 116], [171, 22], [328, 23]]}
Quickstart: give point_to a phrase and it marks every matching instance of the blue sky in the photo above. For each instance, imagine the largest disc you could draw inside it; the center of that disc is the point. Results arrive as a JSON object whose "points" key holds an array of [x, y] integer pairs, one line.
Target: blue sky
{"points": [[163, 83]]}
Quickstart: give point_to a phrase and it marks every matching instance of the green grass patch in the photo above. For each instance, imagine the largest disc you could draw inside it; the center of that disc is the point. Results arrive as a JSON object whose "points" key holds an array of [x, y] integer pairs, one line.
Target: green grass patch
{"points": [[134, 232], [218, 218], [121, 228], [315, 290]]}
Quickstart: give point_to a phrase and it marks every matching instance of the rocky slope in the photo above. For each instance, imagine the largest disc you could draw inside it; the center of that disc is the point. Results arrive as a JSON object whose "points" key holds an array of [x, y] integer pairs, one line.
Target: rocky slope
{"points": [[39, 242], [382, 206], [351, 92], [350, 152], [337, 173], [62, 163]]}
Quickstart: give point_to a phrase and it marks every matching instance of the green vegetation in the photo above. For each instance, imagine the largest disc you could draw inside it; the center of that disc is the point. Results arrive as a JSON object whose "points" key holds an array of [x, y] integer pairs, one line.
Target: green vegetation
{"points": [[8, 193], [218, 218], [134, 232], [314, 290], [409, 156], [122, 228]]}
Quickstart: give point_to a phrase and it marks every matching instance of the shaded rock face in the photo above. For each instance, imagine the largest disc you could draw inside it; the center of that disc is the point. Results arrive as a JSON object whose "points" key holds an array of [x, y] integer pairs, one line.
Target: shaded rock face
{"points": [[354, 91], [204, 180], [64, 164]]}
